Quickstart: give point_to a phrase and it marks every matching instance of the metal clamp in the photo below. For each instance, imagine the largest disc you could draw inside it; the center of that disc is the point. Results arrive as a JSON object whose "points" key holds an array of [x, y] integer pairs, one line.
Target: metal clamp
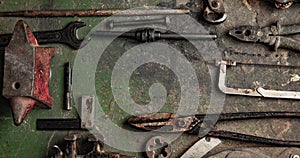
{"points": [[255, 92]]}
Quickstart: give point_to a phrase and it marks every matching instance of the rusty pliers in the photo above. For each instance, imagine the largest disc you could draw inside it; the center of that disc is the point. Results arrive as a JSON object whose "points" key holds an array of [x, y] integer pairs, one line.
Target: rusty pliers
{"points": [[168, 122], [275, 35]]}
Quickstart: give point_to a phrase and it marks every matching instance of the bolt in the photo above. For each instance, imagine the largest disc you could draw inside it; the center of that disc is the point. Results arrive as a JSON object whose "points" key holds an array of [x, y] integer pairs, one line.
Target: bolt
{"points": [[163, 21], [181, 123]]}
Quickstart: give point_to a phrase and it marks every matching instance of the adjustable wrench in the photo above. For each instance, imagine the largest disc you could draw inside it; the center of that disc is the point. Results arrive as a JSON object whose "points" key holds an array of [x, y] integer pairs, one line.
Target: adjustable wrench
{"points": [[67, 35]]}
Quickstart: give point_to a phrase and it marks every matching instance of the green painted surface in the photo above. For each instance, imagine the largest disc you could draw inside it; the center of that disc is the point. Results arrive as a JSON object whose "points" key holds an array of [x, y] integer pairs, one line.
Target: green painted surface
{"points": [[25, 141]]}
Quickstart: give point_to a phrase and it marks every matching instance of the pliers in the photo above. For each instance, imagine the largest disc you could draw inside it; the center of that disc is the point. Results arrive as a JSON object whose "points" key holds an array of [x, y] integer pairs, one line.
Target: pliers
{"points": [[275, 35], [197, 124]]}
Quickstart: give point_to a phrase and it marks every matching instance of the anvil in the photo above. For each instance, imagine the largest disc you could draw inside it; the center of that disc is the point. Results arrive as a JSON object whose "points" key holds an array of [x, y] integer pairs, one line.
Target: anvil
{"points": [[26, 73]]}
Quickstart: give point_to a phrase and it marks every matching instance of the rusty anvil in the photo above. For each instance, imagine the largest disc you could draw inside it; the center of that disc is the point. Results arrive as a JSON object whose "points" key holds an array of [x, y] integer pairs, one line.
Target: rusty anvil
{"points": [[26, 73]]}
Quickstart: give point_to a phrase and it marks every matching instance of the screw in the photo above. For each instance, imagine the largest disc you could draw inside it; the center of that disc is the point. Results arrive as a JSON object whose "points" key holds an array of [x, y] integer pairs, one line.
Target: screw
{"points": [[294, 156], [163, 21]]}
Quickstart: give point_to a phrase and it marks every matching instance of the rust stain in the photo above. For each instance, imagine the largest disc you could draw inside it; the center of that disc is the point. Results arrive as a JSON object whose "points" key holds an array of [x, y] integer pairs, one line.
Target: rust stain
{"points": [[247, 91], [248, 6], [42, 74], [111, 102]]}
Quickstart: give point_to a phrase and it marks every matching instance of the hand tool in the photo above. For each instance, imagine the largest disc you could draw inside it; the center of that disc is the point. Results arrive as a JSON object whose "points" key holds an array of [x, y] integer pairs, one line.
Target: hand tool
{"points": [[26, 73], [86, 120], [274, 35], [67, 35], [157, 147], [170, 123], [68, 86], [256, 91], [202, 147], [162, 21], [151, 35], [280, 58], [284, 4], [215, 11], [98, 151], [93, 12], [71, 148], [261, 152]]}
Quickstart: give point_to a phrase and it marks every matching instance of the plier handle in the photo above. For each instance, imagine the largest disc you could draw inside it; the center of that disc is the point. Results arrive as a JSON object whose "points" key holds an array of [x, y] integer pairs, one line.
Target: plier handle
{"points": [[196, 125]]}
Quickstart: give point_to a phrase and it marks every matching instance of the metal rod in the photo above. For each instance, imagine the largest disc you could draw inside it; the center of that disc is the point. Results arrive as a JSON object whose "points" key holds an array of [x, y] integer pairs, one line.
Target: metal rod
{"points": [[150, 35], [162, 21], [189, 36], [58, 124], [252, 138], [68, 86], [89, 13]]}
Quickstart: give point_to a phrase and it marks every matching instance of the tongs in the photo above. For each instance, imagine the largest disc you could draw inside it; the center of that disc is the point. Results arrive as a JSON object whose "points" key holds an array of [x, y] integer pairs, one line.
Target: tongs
{"points": [[170, 123]]}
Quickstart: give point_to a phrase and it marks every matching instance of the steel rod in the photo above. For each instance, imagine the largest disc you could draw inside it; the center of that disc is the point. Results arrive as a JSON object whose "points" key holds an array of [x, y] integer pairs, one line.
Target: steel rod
{"points": [[90, 13]]}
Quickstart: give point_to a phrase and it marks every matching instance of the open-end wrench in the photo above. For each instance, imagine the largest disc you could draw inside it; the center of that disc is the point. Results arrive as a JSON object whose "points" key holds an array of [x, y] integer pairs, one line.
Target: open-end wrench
{"points": [[67, 35]]}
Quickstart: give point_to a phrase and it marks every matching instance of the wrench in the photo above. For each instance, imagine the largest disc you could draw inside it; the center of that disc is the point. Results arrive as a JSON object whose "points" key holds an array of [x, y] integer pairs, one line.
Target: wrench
{"points": [[67, 35]]}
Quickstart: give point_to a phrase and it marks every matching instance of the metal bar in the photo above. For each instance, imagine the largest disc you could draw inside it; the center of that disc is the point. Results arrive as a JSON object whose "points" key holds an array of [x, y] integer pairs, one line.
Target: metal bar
{"points": [[68, 86], [251, 138], [249, 115], [91, 13], [258, 115], [87, 110], [150, 35], [188, 36], [162, 21], [58, 124]]}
